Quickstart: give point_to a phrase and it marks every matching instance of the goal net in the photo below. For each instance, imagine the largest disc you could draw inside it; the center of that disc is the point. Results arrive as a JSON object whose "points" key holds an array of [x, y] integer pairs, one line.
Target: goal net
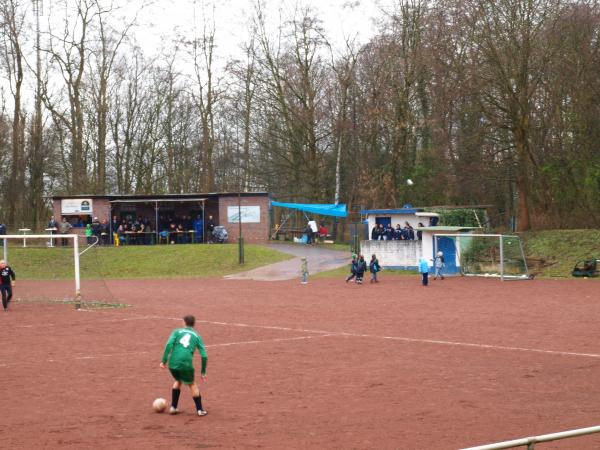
{"points": [[56, 269], [485, 255]]}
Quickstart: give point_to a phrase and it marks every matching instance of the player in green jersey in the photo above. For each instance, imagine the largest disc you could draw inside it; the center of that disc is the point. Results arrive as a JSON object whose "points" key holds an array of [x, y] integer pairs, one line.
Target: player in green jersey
{"points": [[179, 352]]}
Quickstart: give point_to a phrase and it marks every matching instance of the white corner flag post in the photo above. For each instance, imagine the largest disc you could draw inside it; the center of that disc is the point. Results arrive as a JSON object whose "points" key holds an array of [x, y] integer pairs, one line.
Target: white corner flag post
{"points": [[77, 278]]}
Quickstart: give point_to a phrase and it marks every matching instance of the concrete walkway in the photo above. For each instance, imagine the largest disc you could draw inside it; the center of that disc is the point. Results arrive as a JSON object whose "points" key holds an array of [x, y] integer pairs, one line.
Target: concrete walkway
{"points": [[319, 260]]}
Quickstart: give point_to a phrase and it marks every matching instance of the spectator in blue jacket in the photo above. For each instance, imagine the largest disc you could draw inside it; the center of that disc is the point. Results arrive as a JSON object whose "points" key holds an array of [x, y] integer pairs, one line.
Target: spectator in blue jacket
{"points": [[424, 270]]}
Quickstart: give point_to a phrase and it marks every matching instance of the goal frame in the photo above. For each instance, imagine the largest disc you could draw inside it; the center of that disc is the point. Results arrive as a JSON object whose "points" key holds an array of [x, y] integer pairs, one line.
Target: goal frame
{"points": [[501, 237], [50, 238]]}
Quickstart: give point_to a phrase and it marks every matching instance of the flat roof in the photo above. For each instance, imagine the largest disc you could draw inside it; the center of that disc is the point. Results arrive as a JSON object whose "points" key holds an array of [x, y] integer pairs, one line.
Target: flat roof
{"points": [[390, 211], [446, 228], [154, 197], [158, 200]]}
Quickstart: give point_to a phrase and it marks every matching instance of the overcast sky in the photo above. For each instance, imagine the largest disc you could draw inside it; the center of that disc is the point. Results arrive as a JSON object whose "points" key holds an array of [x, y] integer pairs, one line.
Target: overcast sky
{"points": [[160, 21]]}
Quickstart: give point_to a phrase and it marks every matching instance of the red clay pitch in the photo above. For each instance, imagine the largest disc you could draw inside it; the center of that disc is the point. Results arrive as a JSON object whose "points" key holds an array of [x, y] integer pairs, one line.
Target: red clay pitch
{"points": [[325, 365]]}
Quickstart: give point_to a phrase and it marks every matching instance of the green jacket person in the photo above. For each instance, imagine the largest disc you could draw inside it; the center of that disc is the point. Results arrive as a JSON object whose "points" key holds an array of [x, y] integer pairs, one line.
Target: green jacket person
{"points": [[179, 352]]}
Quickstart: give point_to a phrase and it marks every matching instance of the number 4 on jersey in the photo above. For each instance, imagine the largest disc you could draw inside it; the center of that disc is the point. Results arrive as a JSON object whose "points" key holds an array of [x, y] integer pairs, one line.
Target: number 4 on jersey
{"points": [[185, 340]]}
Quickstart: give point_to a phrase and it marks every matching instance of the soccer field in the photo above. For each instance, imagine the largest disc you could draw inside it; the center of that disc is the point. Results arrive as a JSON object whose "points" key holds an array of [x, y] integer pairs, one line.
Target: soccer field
{"points": [[324, 365]]}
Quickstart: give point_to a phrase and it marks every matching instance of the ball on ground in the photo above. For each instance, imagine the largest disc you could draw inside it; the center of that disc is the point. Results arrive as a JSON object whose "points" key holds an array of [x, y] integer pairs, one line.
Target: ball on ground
{"points": [[159, 405], [409, 182]]}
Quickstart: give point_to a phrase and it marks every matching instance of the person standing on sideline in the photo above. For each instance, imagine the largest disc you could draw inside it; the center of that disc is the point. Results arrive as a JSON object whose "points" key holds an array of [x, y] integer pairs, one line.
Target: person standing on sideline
{"points": [[304, 271], [65, 228], [374, 267], [179, 353], [438, 264], [361, 268], [52, 225], [210, 227], [353, 267], [424, 270], [7, 282], [314, 230]]}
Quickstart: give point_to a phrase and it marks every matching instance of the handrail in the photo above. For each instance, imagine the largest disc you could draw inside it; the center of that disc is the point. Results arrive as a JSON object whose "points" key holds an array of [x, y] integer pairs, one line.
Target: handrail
{"points": [[531, 441]]}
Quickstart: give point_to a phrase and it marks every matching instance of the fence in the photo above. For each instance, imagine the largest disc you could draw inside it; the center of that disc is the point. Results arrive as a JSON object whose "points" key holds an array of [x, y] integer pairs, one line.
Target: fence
{"points": [[531, 441]]}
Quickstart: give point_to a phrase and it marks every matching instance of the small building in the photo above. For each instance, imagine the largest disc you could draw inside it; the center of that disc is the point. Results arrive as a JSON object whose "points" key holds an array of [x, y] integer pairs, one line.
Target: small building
{"points": [[159, 211], [393, 217], [429, 238], [432, 243]]}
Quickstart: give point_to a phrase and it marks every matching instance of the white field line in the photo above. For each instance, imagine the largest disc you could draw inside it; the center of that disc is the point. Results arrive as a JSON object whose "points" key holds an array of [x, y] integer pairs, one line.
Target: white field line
{"points": [[127, 354], [404, 339], [369, 336]]}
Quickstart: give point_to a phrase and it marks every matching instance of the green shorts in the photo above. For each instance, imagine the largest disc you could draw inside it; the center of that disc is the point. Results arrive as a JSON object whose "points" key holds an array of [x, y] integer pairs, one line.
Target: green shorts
{"points": [[185, 376]]}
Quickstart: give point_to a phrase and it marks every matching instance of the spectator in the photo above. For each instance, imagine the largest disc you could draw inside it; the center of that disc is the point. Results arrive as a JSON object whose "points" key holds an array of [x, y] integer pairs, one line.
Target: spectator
{"points": [[52, 225], [173, 233], [65, 228], [389, 232], [96, 228], [104, 230], [410, 232], [308, 233], [198, 225], [2, 229], [210, 226], [374, 267], [323, 232], [88, 234], [380, 232], [419, 232], [353, 267], [361, 268], [375, 233], [314, 229], [424, 270], [398, 232], [438, 264]]}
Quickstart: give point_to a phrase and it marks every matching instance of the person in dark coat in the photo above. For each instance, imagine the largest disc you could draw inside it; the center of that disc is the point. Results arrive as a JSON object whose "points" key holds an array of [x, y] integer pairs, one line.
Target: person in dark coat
{"points": [[361, 268]]}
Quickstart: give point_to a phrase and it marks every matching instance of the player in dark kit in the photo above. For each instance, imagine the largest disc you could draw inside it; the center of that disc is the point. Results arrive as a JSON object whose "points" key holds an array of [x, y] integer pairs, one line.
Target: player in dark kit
{"points": [[179, 352], [7, 282]]}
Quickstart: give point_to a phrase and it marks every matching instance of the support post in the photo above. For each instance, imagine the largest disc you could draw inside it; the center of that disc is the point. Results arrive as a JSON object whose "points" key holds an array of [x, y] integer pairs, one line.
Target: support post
{"points": [[5, 245], [240, 238], [77, 277], [156, 222], [501, 259], [523, 256]]}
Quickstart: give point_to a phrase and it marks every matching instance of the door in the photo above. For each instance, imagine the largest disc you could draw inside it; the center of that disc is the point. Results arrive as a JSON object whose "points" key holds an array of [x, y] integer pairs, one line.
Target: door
{"points": [[448, 247], [385, 221]]}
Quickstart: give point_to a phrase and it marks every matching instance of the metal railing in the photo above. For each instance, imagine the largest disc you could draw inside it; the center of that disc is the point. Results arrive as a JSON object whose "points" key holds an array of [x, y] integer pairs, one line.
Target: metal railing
{"points": [[531, 441]]}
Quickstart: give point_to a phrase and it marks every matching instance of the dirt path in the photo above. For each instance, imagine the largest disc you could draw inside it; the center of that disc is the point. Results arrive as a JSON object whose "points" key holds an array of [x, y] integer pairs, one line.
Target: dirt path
{"points": [[319, 260]]}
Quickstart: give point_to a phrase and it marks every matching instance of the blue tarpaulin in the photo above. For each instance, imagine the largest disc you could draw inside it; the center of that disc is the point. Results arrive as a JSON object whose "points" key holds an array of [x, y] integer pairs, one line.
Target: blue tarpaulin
{"points": [[328, 209]]}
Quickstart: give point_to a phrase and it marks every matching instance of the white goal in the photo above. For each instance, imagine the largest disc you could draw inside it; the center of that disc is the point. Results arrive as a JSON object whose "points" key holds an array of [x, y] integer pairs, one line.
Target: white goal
{"points": [[48, 263], [484, 255]]}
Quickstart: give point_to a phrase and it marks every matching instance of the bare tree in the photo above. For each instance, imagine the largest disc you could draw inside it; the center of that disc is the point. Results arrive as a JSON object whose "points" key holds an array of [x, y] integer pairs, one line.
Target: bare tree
{"points": [[11, 24]]}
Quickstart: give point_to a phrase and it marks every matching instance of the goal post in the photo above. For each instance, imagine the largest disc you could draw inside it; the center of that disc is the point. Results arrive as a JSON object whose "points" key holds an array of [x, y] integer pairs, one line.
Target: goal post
{"points": [[485, 255], [12, 242]]}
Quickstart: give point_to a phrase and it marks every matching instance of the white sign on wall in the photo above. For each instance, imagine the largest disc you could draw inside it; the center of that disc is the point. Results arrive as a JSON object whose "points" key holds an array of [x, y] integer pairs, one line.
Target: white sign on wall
{"points": [[76, 206], [250, 214]]}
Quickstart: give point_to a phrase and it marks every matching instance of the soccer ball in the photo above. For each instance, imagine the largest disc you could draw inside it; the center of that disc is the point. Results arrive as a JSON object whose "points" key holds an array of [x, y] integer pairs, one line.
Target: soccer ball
{"points": [[159, 405], [409, 182]]}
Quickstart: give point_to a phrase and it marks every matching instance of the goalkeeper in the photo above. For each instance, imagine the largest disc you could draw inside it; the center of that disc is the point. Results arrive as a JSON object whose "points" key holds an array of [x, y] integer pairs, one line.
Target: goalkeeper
{"points": [[7, 282]]}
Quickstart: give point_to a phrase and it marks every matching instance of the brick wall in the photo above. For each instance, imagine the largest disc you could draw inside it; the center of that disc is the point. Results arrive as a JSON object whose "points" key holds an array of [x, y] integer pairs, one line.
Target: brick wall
{"points": [[252, 232], [100, 209]]}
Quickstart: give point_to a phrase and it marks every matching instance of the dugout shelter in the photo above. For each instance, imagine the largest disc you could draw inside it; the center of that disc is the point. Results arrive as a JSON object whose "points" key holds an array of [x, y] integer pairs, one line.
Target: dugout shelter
{"points": [[224, 207]]}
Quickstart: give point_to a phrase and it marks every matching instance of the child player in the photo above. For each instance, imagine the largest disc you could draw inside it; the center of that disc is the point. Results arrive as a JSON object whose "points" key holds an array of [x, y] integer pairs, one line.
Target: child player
{"points": [[179, 352], [7, 282]]}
